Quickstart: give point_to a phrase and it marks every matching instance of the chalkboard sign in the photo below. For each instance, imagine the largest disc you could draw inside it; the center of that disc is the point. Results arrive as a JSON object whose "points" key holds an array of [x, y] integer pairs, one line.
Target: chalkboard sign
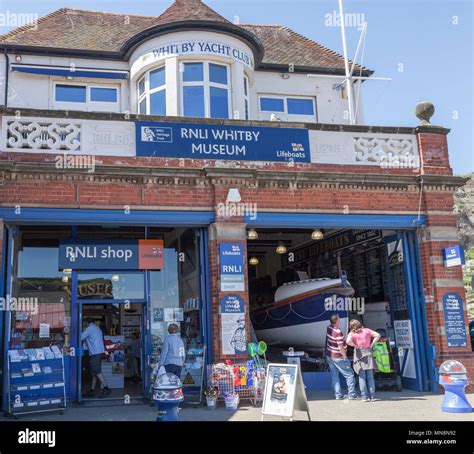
{"points": [[284, 391]]}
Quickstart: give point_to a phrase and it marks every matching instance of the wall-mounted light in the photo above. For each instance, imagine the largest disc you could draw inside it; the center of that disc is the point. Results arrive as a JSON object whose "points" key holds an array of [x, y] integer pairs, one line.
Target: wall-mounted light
{"points": [[285, 76], [281, 248], [115, 277], [253, 261], [317, 235], [67, 271], [18, 58], [252, 234]]}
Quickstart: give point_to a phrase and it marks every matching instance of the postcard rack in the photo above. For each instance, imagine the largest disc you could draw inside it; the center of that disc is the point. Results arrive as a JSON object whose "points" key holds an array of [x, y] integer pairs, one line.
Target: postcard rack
{"points": [[36, 381]]}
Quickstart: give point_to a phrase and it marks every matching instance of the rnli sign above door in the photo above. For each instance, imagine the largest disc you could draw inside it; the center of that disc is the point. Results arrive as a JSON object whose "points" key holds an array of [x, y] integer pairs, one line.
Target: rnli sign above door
{"points": [[111, 255], [234, 142]]}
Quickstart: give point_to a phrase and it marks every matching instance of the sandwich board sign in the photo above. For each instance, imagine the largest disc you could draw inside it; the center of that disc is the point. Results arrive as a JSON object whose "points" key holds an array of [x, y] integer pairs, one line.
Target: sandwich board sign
{"points": [[284, 391]]}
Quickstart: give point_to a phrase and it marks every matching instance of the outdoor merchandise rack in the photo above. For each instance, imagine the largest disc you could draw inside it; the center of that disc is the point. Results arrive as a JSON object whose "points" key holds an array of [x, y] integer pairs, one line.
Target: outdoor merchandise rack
{"points": [[242, 378], [36, 381]]}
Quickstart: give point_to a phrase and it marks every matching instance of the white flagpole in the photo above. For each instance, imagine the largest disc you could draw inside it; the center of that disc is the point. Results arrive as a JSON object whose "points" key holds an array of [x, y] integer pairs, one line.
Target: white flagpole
{"points": [[350, 95]]}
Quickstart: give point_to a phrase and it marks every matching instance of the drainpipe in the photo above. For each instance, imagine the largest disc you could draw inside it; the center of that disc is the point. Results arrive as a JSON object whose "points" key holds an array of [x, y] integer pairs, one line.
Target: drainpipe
{"points": [[7, 72]]}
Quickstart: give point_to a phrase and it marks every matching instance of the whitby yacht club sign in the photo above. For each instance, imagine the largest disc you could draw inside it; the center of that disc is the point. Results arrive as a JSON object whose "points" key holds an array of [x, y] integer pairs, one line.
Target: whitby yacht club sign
{"points": [[198, 48], [189, 140]]}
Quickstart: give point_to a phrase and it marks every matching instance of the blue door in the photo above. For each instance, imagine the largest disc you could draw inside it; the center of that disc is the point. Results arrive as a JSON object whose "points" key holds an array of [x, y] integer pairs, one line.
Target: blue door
{"points": [[406, 306]]}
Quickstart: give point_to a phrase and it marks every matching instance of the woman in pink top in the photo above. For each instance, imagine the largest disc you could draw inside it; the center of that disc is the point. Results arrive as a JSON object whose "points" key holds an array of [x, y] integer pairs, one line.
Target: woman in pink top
{"points": [[363, 339]]}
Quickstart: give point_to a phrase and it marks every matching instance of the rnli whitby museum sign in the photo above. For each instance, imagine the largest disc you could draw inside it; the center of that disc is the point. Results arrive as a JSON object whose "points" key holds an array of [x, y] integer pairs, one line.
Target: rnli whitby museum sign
{"points": [[111, 255], [199, 141]]}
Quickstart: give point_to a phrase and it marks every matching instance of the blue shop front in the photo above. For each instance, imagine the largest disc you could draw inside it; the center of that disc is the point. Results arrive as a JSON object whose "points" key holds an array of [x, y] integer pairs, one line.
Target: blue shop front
{"points": [[132, 277]]}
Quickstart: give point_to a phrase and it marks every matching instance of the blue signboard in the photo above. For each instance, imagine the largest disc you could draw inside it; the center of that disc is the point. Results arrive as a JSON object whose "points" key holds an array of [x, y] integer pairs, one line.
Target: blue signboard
{"points": [[233, 329], [234, 142], [111, 255], [232, 304], [453, 256], [454, 323], [232, 267]]}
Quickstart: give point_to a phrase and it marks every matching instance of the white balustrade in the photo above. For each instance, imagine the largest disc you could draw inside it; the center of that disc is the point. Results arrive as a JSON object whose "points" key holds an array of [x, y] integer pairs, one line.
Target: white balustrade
{"points": [[27, 134]]}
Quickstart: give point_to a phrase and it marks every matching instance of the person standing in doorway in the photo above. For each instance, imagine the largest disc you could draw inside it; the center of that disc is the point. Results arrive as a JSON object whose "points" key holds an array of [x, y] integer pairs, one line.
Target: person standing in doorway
{"points": [[173, 353], [136, 354], [336, 356], [94, 339], [363, 339]]}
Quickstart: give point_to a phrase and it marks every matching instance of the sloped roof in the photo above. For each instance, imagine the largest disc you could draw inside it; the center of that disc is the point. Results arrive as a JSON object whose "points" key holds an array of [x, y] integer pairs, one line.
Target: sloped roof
{"points": [[183, 10], [106, 35]]}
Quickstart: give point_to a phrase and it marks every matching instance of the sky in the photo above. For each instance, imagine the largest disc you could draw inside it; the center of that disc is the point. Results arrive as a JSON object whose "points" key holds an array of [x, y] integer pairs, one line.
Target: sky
{"points": [[425, 46]]}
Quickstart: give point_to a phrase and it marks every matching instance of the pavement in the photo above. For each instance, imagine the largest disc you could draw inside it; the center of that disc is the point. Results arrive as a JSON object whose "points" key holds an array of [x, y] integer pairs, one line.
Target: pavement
{"points": [[392, 406]]}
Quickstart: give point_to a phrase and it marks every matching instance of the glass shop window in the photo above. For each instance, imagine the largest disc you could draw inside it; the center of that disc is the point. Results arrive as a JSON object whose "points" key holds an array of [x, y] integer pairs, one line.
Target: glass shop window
{"points": [[175, 290], [41, 291]]}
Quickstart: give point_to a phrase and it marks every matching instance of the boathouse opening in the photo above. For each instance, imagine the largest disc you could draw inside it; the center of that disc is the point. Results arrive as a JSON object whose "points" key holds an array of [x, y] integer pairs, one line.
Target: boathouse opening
{"points": [[298, 278]]}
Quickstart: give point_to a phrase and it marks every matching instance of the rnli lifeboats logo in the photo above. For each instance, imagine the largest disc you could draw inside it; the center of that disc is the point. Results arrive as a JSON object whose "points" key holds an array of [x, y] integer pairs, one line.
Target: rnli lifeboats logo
{"points": [[150, 254]]}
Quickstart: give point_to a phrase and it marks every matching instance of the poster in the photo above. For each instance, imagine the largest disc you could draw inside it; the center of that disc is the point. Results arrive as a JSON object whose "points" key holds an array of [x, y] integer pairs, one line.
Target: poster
{"points": [[232, 267], [44, 330], [233, 332], [403, 333], [280, 389], [173, 314], [454, 322]]}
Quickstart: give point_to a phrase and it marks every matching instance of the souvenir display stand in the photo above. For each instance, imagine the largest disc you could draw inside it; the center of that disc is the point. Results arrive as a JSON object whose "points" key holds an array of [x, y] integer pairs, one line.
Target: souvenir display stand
{"points": [[244, 379], [35, 381]]}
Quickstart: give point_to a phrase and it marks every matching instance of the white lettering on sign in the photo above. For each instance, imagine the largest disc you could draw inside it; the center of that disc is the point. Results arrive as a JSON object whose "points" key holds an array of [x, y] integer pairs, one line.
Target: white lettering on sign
{"points": [[203, 47], [90, 252]]}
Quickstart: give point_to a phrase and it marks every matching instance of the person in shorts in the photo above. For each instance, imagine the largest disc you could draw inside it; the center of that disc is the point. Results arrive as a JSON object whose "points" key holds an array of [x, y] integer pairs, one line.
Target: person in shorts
{"points": [[94, 339]]}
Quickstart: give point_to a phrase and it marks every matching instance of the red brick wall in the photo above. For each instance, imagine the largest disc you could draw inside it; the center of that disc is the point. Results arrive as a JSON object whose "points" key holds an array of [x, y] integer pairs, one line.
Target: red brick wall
{"points": [[37, 187], [217, 295], [433, 147]]}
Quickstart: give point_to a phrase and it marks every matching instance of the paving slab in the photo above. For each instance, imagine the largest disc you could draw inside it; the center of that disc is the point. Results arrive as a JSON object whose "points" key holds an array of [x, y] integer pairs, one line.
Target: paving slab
{"points": [[392, 406]]}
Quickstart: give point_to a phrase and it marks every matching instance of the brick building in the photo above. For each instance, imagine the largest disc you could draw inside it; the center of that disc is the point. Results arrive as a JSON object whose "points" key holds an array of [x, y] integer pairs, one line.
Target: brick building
{"points": [[198, 135]]}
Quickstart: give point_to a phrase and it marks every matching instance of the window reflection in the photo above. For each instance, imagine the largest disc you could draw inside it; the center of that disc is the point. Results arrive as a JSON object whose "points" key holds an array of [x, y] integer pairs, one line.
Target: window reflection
{"points": [[175, 290], [41, 288]]}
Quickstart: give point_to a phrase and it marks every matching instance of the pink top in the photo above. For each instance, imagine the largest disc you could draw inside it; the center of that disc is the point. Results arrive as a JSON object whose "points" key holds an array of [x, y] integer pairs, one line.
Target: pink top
{"points": [[363, 339]]}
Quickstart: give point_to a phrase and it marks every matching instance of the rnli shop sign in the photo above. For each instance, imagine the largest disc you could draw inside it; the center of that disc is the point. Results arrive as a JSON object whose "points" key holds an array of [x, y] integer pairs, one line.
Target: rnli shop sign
{"points": [[189, 140], [111, 255], [231, 260]]}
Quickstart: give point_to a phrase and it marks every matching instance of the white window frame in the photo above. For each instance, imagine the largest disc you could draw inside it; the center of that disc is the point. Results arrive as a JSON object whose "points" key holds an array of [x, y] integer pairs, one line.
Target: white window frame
{"points": [[207, 84], [88, 105], [289, 117], [147, 92], [246, 97]]}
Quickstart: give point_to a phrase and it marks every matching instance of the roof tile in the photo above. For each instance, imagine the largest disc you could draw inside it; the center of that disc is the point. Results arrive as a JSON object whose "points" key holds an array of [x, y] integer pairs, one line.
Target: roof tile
{"points": [[83, 30]]}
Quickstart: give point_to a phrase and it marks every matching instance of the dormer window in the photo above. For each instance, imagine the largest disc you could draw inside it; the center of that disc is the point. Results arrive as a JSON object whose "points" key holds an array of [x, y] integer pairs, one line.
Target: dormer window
{"points": [[152, 93], [205, 90]]}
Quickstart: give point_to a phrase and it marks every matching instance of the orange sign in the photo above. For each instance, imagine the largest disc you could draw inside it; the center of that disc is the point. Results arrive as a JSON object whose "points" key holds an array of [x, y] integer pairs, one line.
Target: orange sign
{"points": [[150, 254]]}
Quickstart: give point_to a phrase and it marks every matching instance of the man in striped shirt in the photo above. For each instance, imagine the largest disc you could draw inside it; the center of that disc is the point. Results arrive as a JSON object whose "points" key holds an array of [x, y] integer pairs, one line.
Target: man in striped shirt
{"points": [[336, 356]]}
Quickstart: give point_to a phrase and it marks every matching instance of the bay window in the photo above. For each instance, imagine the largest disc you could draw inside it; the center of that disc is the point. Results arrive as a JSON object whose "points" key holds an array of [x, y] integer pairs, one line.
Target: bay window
{"points": [[152, 93], [205, 90]]}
